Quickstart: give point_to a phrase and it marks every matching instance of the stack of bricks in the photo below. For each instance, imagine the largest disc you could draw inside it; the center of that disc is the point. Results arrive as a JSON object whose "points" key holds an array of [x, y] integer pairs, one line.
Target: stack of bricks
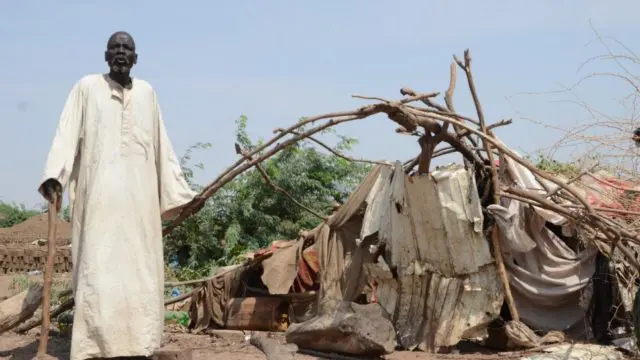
{"points": [[22, 249], [16, 259]]}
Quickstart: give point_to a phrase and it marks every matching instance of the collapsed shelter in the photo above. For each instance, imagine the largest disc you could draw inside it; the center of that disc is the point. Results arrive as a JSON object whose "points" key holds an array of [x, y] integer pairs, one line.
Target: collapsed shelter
{"points": [[435, 264], [493, 247]]}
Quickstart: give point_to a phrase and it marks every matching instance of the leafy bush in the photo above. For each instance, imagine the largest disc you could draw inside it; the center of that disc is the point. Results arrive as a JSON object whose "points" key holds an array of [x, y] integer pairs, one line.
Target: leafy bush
{"points": [[248, 214]]}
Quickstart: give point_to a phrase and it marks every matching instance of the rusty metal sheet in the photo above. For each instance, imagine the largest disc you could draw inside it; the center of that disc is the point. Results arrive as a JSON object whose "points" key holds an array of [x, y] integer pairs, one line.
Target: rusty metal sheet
{"points": [[447, 220], [431, 311], [377, 202], [447, 284]]}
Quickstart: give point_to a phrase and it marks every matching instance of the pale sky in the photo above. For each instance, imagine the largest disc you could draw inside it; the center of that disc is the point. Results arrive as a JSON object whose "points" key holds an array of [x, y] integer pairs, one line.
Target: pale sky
{"points": [[277, 60]]}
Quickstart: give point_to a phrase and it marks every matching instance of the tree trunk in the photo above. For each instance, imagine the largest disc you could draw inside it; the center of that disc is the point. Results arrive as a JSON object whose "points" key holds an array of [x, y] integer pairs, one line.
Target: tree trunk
{"points": [[20, 307]]}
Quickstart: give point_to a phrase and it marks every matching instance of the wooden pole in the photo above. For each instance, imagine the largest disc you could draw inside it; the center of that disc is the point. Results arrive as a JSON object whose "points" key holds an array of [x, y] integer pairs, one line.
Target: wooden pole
{"points": [[48, 276], [495, 182]]}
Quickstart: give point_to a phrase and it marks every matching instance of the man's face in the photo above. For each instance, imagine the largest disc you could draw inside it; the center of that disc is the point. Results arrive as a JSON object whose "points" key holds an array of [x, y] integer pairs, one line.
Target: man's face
{"points": [[121, 53]]}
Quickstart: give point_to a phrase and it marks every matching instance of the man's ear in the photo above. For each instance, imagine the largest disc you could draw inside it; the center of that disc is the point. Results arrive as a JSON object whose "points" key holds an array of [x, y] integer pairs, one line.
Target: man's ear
{"points": [[135, 59], [105, 56]]}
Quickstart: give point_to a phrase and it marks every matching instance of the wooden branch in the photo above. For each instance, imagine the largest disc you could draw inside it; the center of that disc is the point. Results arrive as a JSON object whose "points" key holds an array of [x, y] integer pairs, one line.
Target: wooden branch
{"points": [[495, 237], [517, 158], [241, 165], [54, 206], [427, 144], [34, 322], [245, 265], [275, 187], [467, 152], [272, 349], [449, 110], [411, 98], [411, 163], [69, 304], [572, 180], [448, 95], [20, 307], [500, 123], [334, 151], [176, 299], [606, 210], [435, 107], [530, 198], [595, 219]]}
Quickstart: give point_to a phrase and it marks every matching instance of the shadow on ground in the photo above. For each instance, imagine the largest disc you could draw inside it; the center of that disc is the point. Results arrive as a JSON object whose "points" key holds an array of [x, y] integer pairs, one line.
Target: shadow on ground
{"points": [[59, 348]]}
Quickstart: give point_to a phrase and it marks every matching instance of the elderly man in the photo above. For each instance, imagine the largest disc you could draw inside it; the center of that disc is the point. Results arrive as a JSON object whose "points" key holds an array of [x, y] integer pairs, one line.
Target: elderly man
{"points": [[112, 152]]}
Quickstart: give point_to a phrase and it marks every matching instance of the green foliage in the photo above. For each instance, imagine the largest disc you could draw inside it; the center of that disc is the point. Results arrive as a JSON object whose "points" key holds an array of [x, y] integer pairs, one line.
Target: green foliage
{"points": [[12, 214], [546, 163], [248, 214], [66, 214]]}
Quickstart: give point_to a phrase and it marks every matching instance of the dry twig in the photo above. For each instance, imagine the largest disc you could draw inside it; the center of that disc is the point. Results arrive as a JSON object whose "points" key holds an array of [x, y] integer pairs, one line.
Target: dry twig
{"points": [[334, 151]]}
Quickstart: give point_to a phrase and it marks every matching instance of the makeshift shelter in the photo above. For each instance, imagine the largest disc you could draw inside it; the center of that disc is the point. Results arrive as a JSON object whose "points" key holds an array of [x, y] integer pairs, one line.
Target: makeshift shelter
{"points": [[417, 245], [494, 245], [430, 227]]}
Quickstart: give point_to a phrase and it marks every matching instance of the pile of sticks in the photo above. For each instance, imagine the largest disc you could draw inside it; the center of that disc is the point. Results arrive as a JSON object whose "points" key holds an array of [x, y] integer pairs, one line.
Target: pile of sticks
{"points": [[419, 114]]}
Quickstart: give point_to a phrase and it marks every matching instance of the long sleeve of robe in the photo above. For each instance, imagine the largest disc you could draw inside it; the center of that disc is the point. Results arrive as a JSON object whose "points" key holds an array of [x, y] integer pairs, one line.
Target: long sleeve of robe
{"points": [[112, 152]]}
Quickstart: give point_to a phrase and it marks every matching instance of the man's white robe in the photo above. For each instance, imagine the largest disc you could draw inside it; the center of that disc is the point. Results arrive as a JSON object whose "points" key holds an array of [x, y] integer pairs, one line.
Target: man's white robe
{"points": [[112, 152]]}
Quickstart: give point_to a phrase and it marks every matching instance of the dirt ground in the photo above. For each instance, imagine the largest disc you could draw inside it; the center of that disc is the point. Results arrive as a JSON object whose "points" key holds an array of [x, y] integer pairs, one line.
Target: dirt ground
{"points": [[227, 345], [217, 345], [222, 344]]}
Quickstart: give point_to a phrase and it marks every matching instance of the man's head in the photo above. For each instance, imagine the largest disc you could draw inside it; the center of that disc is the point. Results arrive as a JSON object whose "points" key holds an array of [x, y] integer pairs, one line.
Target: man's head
{"points": [[121, 53]]}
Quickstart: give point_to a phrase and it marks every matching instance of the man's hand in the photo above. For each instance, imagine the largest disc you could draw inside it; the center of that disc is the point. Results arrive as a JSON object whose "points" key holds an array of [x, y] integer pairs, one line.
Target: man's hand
{"points": [[50, 188]]}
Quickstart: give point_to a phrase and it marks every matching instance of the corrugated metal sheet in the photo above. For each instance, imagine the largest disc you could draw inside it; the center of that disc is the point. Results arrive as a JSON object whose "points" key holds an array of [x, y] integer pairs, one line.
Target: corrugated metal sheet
{"points": [[447, 283]]}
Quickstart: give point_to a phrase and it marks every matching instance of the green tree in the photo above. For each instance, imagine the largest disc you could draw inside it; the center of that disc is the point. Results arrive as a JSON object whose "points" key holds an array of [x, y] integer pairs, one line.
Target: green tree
{"points": [[12, 214], [248, 214]]}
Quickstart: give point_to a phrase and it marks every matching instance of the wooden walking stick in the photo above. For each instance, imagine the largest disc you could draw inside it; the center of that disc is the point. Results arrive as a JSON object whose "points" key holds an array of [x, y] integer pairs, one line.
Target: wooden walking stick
{"points": [[54, 207]]}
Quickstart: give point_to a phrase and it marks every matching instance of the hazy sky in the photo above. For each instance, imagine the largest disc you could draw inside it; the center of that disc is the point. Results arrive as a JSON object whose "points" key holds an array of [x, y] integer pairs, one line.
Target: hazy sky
{"points": [[275, 61]]}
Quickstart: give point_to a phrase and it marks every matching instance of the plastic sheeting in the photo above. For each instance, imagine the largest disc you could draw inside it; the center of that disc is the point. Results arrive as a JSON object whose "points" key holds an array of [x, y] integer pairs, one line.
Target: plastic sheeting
{"points": [[549, 279]]}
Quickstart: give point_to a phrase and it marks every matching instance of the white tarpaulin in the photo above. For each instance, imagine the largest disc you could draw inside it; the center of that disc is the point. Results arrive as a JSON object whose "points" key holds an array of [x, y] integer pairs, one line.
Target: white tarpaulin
{"points": [[548, 278]]}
